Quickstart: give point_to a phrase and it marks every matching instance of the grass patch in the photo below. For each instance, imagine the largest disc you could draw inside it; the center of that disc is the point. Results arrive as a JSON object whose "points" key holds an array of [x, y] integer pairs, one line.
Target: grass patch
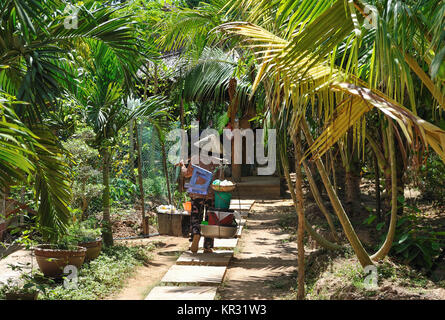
{"points": [[103, 276]]}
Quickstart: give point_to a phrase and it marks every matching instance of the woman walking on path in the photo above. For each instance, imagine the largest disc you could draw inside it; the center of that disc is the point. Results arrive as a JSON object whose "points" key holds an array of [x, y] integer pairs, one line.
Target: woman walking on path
{"points": [[200, 203]]}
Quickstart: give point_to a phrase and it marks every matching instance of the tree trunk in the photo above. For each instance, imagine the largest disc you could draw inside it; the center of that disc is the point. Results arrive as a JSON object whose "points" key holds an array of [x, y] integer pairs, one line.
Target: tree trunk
{"points": [[383, 165], [400, 172], [334, 172], [107, 233], [164, 164], [318, 238], [355, 242], [300, 212], [181, 118], [340, 174], [84, 208], [140, 178], [319, 200], [352, 179], [131, 134], [378, 209], [386, 247], [233, 107]]}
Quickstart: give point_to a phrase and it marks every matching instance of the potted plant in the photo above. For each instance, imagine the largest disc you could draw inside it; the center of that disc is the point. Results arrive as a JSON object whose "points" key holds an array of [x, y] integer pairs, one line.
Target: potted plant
{"points": [[26, 287], [14, 290], [89, 238], [53, 258]]}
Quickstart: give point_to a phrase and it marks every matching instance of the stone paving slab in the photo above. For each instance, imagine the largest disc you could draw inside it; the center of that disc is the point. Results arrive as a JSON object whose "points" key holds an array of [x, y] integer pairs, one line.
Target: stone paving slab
{"points": [[242, 206], [216, 258], [202, 275], [182, 293], [221, 243]]}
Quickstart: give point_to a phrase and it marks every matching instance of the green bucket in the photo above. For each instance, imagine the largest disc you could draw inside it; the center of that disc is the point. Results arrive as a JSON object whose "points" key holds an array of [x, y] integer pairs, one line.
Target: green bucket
{"points": [[222, 200]]}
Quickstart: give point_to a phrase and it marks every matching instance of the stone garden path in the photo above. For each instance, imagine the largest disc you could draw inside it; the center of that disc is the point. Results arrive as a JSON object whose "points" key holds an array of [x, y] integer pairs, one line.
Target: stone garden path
{"points": [[197, 276]]}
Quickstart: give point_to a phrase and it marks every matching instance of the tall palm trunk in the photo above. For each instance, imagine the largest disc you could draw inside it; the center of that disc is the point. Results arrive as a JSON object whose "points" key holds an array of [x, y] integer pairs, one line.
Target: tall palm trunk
{"points": [[140, 178], [233, 108], [107, 233], [131, 134], [300, 212], [377, 188], [355, 242], [164, 164], [352, 179], [323, 242], [181, 119], [318, 199], [384, 250]]}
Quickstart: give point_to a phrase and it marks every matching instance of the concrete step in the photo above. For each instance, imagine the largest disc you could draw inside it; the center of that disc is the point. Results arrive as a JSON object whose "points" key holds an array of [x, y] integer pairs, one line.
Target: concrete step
{"points": [[199, 275], [216, 258]]}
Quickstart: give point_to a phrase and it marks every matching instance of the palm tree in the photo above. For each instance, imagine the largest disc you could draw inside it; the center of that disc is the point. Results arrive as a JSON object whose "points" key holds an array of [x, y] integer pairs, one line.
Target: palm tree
{"points": [[38, 68], [294, 48], [153, 111]]}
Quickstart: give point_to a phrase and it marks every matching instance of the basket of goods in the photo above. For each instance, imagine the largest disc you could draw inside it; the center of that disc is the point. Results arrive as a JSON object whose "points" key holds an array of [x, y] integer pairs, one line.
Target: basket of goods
{"points": [[223, 186]]}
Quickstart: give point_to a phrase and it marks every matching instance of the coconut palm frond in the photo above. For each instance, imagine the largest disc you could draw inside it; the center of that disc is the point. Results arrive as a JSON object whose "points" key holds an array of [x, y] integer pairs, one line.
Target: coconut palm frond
{"points": [[52, 184], [362, 100], [16, 147], [186, 27], [208, 79], [300, 79]]}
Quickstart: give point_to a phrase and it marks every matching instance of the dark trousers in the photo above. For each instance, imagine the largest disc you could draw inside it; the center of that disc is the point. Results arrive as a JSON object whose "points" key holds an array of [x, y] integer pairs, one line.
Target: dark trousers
{"points": [[198, 207]]}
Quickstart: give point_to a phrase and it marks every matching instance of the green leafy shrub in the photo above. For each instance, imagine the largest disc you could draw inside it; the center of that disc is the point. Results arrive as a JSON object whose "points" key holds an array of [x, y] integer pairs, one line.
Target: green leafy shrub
{"points": [[415, 243]]}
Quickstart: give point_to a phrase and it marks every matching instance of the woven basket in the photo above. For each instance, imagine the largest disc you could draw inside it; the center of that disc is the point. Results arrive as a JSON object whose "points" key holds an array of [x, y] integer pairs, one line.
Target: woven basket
{"points": [[223, 188]]}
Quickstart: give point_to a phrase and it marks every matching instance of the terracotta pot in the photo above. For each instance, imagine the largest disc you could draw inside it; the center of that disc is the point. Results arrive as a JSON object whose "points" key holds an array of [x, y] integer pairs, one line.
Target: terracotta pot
{"points": [[52, 261], [22, 296], [93, 249]]}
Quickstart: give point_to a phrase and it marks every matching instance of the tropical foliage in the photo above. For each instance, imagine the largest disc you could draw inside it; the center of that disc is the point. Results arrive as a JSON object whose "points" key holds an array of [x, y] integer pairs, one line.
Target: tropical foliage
{"points": [[89, 90]]}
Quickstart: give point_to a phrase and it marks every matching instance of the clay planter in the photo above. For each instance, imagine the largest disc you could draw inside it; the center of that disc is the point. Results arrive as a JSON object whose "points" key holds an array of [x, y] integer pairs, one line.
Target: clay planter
{"points": [[22, 296], [93, 249], [52, 261]]}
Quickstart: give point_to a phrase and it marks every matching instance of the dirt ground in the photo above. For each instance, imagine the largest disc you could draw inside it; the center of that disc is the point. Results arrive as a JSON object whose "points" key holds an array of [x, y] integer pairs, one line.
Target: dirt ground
{"points": [[264, 260], [265, 264]]}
